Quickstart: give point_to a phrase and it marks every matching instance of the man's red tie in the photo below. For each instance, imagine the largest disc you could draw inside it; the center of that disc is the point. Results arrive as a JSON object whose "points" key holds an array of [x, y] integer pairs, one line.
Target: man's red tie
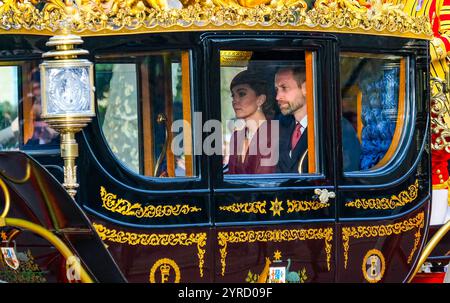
{"points": [[296, 135]]}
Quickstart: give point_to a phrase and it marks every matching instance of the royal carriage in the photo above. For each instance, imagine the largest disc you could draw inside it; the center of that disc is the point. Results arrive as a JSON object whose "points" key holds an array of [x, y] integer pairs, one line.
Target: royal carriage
{"points": [[147, 198]]}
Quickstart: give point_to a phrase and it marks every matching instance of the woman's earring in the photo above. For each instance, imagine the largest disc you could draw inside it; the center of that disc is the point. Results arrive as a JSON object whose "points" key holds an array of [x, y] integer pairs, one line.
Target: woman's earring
{"points": [[259, 108]]}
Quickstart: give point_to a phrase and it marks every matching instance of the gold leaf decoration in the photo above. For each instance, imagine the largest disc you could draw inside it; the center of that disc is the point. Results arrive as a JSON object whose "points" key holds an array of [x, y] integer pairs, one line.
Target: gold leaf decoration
{"points": [[440, 110], [175, 239], [405, 197], [126, 208], [251, 236], [257, 207], [299, 206], [100, 17], [359, 232]]}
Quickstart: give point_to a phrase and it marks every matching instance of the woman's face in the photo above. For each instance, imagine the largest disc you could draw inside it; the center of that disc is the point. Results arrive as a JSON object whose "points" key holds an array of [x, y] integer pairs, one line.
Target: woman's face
{"points": [[245, 102]]}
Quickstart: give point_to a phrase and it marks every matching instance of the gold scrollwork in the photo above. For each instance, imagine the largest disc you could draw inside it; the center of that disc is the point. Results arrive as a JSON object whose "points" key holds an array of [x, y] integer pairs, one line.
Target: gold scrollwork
{"points": [[251, 236], [258, 207], [298, 206], [124, 207], [100, 17], [359, 232], [184, 239], [405, 197], [440, 111]]}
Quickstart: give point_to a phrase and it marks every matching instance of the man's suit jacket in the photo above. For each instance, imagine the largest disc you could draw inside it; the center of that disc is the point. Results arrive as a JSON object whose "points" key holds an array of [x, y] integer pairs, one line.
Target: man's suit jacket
{"points": [[288, 162]]}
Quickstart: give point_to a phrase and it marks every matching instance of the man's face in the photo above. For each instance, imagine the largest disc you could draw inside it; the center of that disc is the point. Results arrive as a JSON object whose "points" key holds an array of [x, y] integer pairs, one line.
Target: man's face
{"points": [[290, 96]]}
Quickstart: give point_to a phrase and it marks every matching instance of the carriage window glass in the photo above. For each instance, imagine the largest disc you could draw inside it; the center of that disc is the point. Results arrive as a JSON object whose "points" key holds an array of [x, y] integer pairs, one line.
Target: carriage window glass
{"points": [[21, 88], [268, 108], [373, 106], [145, 112], [36, 132], [9, 101]]}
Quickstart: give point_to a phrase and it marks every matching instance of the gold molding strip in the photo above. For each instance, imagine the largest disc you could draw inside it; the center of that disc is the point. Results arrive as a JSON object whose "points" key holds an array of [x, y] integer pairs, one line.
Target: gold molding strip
{"points": [[359, 232], [126, 208], [133, 239], [299, 206], [97, 17], [258, 207], [403, 198], [251, 236]]}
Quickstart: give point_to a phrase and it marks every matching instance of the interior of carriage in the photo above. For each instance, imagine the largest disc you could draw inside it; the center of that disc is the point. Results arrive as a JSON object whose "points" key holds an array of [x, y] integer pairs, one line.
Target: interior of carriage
{"points": [[147, 109]]}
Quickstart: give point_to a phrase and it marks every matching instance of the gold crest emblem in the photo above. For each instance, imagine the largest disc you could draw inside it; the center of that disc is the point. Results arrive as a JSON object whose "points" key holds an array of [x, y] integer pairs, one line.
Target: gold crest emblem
{"points": [[166, 270], [373, 266]]}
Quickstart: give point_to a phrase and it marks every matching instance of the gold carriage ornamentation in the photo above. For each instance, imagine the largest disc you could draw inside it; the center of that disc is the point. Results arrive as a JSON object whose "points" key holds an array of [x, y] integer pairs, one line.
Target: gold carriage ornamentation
{"points": [[358, 232], [285, 235], [183, 239], [126, 208], [395, 201], [100, 17]]}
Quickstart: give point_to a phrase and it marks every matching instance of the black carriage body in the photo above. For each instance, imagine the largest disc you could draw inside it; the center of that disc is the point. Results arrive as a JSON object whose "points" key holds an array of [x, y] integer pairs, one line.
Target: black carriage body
{"points": [[210, 243]]}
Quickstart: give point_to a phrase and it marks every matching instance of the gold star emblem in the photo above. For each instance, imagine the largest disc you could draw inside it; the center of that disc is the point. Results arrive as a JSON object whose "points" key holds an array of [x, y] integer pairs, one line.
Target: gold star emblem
{"points": [[4, 237], [277, 255], [276, 207]]}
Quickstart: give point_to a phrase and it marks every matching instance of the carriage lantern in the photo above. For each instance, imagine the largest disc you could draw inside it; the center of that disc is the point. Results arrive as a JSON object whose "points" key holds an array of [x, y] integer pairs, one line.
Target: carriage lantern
{"points": [[67, 97]]}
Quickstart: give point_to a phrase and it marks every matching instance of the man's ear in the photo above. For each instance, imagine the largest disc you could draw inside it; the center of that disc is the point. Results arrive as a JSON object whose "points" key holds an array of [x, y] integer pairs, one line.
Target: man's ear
{"points": [[304, 88]]}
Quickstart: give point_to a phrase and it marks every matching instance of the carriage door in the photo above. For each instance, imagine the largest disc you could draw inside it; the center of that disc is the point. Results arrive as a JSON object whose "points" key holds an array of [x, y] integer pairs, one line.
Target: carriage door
{"points": [[383, 201], [274, 208]]}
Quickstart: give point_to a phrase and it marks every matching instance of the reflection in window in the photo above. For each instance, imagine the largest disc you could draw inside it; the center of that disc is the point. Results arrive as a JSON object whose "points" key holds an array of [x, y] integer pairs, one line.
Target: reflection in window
{"points": [[9, 100], [141, 101], [268, 112], [36, 132], [21, 87], [373, 103], [118, 110]]}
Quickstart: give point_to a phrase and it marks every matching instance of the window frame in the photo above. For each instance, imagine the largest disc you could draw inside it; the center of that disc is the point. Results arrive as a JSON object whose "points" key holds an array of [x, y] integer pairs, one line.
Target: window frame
{"points": [[404, 139], [24, 67], [322, 47], [133, 57]]}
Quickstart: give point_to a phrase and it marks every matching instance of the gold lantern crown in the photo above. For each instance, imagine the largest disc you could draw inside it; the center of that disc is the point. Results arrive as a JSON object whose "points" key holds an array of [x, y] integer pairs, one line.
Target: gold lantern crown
{"points": [[110, 17]]}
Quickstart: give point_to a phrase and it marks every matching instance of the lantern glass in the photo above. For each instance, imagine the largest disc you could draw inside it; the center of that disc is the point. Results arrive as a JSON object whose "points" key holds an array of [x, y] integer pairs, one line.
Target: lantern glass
{"points": [[67, 88]]}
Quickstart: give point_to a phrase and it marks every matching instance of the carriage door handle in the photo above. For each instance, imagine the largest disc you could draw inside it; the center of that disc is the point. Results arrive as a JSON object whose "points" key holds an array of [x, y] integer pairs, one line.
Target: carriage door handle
{"points": [[324, 195]]}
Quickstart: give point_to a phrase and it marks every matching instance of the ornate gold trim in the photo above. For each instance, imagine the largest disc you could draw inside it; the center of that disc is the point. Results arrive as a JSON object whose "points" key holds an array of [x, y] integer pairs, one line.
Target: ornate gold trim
{"points": [[165, 261], [276, 207], [124, 207], [417, 237], [251, 236], [378, 253], [403, 198], [381, 231], [258, 207], [97, 17], [440, 112], [130, 238], [299, 206]]}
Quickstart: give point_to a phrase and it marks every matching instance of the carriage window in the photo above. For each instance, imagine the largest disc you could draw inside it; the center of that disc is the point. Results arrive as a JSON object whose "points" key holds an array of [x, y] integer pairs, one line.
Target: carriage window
{"points": [[373, 106], [268, 106], [9, 101], [21, 88], [144, 110]]}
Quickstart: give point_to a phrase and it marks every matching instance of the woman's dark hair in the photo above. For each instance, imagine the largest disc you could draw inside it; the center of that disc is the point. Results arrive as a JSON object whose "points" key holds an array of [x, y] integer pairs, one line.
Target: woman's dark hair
{"points": [[259, 85]]}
